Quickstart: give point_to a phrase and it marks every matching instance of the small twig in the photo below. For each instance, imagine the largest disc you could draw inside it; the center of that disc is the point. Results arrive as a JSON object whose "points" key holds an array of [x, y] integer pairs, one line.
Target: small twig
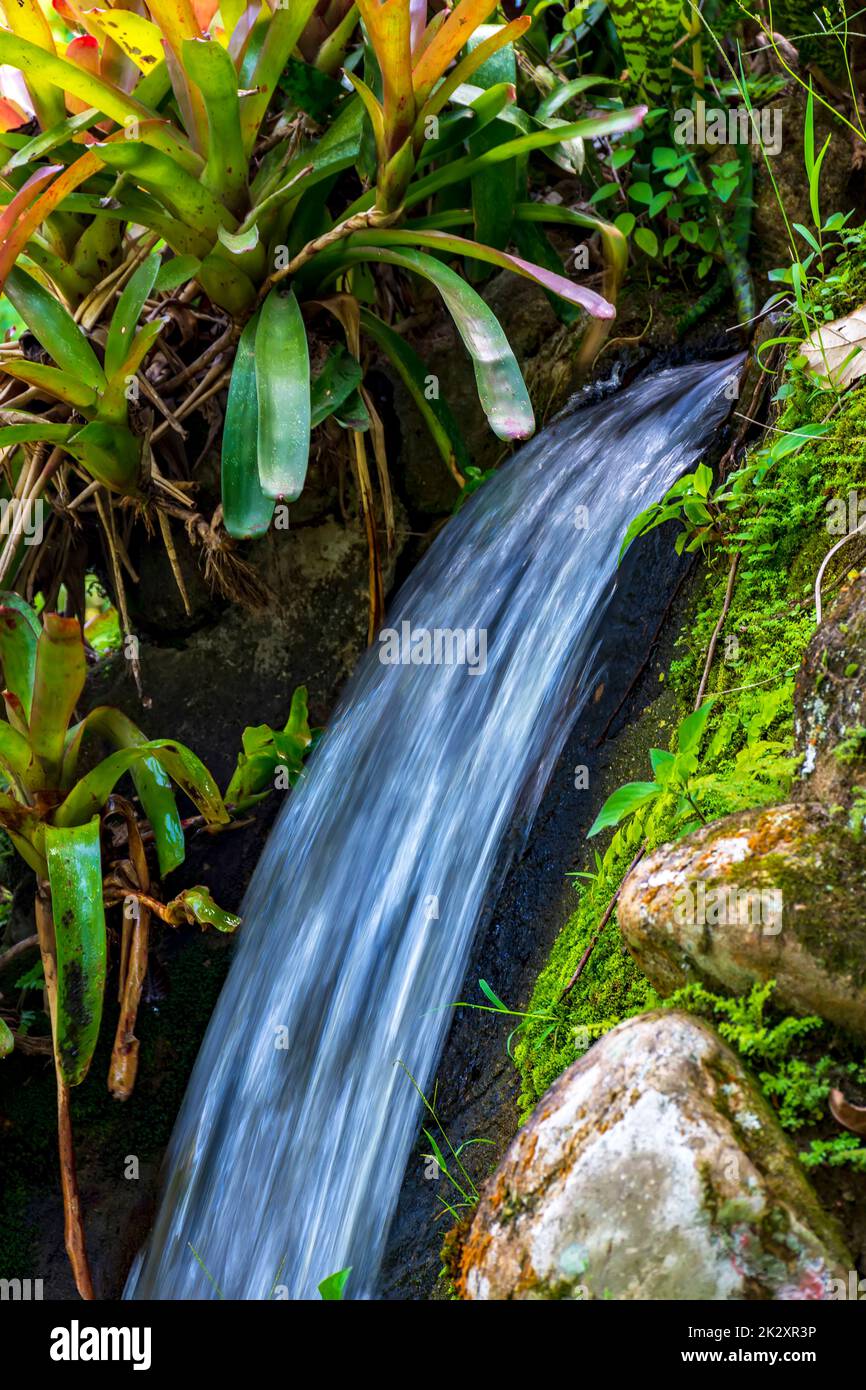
{"points": [[601, 926], [18, 950], [825, 562], [732, 574]]}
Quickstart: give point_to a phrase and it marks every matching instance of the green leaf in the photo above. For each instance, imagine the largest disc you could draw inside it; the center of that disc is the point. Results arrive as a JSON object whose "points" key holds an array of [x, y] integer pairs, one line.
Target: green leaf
{"points": [[152, 784], [110, 453], [35, 433], [196, 905], [333, 1287], [59, 384], [247, 511], [7, 1041], [265, 749], [91, 792], [58, 681], [126, 315], [55, 328], [282, 363], [339, 377], [213, 72], [494, 998], [75, 875], [622, 803], [647, 240], [176, 271], [501, 389], [691, 731], [19, 634]]}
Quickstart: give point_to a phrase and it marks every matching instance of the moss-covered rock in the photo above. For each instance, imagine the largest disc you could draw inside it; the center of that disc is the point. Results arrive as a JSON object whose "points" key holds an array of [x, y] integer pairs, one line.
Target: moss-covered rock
{"points": [[773, 894], [830, 703], [652, 1169]]}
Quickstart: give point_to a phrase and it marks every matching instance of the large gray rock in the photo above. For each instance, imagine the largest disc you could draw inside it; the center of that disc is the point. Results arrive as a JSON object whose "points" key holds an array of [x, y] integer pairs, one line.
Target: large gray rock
{"points": [[652, 1169], [773, 894]]}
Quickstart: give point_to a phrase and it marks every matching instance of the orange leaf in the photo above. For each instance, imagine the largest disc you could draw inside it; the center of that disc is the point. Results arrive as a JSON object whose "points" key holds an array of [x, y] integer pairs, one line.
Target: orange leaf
{"points": [[84, 53], [389, 27], [11, 115], [204, 11], [28, 215], [448, 41]]}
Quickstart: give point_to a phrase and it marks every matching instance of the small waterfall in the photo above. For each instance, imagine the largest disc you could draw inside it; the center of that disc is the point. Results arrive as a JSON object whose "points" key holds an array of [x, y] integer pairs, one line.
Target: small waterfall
{"points": [[289, 1151]]}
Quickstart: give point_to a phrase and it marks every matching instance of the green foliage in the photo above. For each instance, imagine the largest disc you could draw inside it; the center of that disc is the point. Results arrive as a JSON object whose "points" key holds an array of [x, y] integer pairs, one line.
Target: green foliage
{"points": [[268, 753], [845, 1151], [333, 1288]]}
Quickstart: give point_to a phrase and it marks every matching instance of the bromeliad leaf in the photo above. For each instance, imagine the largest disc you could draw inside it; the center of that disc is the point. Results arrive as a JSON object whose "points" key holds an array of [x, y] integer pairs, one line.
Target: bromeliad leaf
{"points": [[246, 510], [283, 386], [197, 905], [58, 681], [75, 876]]}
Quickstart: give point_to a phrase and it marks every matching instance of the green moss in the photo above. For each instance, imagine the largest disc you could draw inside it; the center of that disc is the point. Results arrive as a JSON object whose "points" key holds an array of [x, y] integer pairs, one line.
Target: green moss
{"points": [[783, 537]]}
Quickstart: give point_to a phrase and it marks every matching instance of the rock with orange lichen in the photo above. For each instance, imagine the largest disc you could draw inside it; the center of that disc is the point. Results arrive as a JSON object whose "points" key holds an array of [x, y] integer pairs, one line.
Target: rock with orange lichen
{"points": [[773, 894], [652, 1169]]}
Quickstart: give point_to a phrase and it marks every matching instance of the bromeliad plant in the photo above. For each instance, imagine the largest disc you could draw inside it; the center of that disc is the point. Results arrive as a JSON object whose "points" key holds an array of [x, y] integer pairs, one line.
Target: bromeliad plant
{"points": [[211, 166], [59, 820]]}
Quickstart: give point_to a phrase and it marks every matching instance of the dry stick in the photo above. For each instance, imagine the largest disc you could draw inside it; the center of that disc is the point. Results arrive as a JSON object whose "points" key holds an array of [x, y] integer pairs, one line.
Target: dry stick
{"points": [[825, 562], [224, 340], [17, 950], [358, 223], [732, 574], [601, 926], [73, 1224], [214, 381], [34, 492], [136, 940]]}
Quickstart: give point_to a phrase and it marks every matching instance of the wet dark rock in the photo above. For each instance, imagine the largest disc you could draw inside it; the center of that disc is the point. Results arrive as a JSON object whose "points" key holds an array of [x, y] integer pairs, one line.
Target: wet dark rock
{"points": [[652, 1169]]}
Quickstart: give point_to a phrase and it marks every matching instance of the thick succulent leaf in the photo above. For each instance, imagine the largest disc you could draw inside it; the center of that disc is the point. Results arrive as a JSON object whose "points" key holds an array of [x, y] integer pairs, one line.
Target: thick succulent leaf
{"points": [[283, 387], [501, 388], [18, 638], [125, 318], [197, 905], [63, 387], [58, 681], [152, 783], [91, 792], [247, 511], [55, 328], [113, 406], [75, 875], [593, 303], [415, 377]]}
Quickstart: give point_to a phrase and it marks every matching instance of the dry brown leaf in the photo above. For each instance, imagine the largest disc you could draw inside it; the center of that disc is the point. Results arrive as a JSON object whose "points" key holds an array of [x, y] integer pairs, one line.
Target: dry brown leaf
{"points": [[837, 352]]}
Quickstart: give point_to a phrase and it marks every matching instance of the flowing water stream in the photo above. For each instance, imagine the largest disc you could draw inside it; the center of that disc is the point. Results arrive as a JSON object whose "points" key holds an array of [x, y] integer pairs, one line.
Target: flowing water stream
{"points": [[288, 1154]]}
